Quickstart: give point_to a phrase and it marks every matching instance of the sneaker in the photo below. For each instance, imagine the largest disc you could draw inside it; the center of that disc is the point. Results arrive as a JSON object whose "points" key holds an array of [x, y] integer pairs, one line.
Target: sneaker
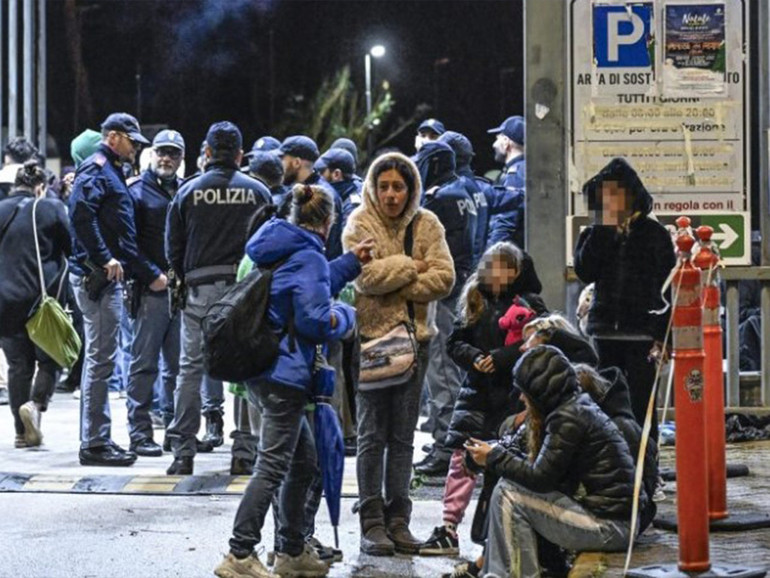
{"points": [[113, 395], [659, 494], [249, 567], [30, 417], [325, 553], [306, 565], [442, 542], [464, 570], [76, 394], [20, 442]]}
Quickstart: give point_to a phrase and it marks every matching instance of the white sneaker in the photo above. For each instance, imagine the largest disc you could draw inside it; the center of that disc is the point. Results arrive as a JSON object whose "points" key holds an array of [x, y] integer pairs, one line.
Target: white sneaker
{"points": [[30, 417], [249, 567], [113, 395], [306, 565], [76, 394]]}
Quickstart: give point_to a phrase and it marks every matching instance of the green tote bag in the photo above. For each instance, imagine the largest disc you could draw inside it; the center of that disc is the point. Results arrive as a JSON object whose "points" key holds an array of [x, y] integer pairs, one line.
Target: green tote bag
{"points": [[50, 326]]}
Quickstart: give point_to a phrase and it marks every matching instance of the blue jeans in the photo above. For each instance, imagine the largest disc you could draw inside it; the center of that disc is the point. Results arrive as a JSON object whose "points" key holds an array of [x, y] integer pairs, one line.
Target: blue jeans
{"points": [[517, 515], [187, 395], [154, 332], [101, 323], [212, 395], [286, 464]]}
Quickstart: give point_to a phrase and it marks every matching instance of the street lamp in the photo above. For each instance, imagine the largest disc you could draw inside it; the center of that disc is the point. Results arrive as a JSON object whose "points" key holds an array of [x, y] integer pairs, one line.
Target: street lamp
{"points": [[377, 51]]}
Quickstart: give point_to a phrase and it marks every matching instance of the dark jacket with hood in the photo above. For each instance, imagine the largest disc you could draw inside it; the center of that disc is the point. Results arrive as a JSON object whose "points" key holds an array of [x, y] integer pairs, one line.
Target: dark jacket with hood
{"points": [[445, 195], [20, 280], [628, 266], [301, 288], [581, 445], [482, 402]]}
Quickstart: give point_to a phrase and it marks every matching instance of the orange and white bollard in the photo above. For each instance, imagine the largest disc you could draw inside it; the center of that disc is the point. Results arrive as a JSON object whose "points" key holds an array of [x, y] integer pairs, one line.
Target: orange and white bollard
{"points": [[688, 355], [714, 395]]}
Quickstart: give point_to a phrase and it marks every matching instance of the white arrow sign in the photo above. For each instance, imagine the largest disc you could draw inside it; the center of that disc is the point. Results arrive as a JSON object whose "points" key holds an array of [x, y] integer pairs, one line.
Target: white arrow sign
{"points": [[727, 237]]}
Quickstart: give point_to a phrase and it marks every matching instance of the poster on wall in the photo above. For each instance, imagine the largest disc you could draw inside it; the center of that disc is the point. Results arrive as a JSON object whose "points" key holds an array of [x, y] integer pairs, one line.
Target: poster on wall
{"points": [[694, 50]]}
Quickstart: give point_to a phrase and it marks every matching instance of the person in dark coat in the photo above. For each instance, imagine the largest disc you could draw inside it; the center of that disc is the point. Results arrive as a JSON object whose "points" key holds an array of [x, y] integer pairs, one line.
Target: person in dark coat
{"points": [[575, 488], [476, 345], [20, 293], [628, 256]]}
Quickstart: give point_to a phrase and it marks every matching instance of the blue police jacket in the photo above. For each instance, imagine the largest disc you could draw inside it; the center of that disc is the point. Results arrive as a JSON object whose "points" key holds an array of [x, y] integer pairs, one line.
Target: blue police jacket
{"points": [[349, 192], [102, 218], [151, 201], [302, 287], [509, 225], [209, 216], [334, 242]]}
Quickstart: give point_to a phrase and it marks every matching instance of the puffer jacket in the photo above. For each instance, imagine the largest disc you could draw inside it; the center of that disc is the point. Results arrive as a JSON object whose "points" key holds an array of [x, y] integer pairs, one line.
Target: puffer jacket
{"points": [[483, 400], [628, 268], [302, 287], [581, 445], [391, 279]]}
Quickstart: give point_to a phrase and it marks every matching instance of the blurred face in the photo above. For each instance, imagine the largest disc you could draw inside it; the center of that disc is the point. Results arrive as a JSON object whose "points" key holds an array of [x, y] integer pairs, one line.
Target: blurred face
{"points": [[122, 145], [392, 193], [501, 147], [615, 207], [333, 176], [165, 161], [291, 166], [497, 275]]}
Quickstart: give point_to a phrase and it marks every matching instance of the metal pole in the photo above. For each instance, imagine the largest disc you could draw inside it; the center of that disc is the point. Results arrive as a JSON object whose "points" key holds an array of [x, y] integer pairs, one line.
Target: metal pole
{"points": [[42, 85], [732, 297], [368, 69], [13, 69], [29, 70], [763, 57], [546, 142]]}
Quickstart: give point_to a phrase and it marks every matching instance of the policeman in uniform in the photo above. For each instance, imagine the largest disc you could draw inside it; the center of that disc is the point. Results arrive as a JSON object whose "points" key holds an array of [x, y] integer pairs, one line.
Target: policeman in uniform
{"points": [[337, 167], [268, 168], [490, 201], [104, 245], [206, 226], [298, 153], [428, 131], [446, 196], [509, 149], [348, 145], [156, 329]]}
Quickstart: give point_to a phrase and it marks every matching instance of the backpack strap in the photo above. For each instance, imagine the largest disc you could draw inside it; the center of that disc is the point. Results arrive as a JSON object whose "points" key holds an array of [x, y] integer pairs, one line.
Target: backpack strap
{"points": [[408, 246]]}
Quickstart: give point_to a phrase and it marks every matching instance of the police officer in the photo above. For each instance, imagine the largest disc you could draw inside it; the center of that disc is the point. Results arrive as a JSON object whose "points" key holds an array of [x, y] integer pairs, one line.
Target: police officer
{"points": [[104, 251], [264, 144], [156, 329], [206, 225], [337, 167], [509, 149], [298, 153], [348, 145], [429, 130], [490, 201], [446, 196], [268, 168]]}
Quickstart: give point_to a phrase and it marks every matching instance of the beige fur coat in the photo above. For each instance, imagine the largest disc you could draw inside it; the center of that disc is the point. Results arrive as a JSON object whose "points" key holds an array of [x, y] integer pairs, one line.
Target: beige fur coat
{"points": [[390, 279]]}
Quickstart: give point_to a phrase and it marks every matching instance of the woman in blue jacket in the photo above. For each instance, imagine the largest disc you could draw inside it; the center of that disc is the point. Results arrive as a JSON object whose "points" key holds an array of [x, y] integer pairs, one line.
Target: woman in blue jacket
{"points": [[301, 291]]}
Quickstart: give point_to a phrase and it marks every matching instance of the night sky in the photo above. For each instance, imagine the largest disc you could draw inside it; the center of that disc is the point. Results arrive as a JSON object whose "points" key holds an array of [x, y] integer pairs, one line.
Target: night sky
{"points": [[207, 60]]}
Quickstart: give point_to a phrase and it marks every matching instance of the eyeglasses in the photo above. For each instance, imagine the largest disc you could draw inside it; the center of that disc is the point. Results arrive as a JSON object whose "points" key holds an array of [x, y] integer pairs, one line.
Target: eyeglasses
{"points": [[170, 152]]}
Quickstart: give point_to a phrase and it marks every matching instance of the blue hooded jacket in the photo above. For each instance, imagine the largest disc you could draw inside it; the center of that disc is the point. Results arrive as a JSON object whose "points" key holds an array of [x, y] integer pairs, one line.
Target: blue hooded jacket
{"points": [[302, 287]]}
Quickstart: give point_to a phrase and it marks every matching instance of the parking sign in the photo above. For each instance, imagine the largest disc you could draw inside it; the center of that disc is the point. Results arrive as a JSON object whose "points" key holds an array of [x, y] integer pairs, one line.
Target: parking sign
{"points": [[623, 36]]}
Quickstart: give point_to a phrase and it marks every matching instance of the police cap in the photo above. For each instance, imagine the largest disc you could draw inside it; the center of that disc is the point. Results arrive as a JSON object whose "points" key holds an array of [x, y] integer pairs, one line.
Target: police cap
{"points": [[513, 128], [337, 159], [168, 138], [300, 146], [433, 125], [460, 145], [264, 144], [266, 164], [124, 122], [224, 135], [348, 145]]}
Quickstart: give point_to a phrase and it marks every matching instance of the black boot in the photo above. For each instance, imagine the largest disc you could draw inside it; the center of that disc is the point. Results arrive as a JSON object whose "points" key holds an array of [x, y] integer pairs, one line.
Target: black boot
{"points": [[397, 516], [374, 538], [241, 467], [215, 429], [182, 466]]}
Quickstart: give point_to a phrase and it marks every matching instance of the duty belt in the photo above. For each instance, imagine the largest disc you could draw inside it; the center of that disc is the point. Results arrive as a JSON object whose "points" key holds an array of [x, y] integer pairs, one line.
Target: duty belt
{"points": [[210, 274]]}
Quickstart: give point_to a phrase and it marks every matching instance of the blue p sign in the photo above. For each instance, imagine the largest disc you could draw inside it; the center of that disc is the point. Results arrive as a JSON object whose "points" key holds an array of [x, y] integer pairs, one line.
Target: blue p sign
{"points": [[621, 34]]}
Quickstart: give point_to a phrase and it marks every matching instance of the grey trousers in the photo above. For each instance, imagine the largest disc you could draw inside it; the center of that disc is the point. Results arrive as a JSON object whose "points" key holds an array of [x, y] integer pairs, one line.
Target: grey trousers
{"points": [[245, 436], [154, 332], [443, 378], [101, 323], [517, 515], [187, 395], [386, 421]]}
